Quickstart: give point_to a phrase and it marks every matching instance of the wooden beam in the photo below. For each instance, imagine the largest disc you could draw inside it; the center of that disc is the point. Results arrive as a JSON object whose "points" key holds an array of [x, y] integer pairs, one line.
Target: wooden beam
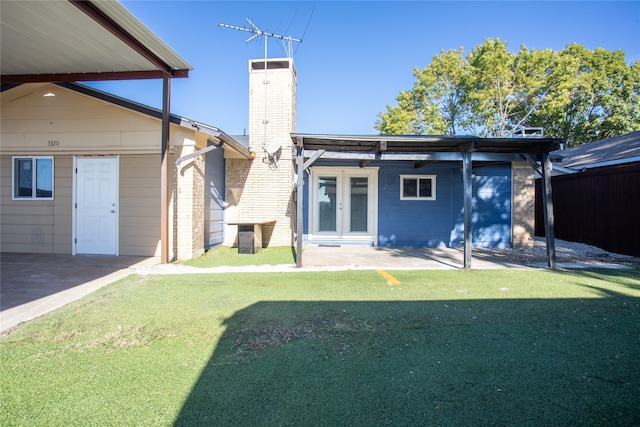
{"points": [[105, 21], [165, 171], [312, 159], [89, 77], [468, 201], [299, 205], [421, 164], [331, 155], [381, 146], [468, 146], [547, 206], [536, 167]]}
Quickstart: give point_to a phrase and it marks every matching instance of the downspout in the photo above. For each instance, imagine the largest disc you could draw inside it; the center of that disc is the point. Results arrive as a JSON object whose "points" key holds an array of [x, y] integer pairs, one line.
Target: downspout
{"points": [[212, 147]]}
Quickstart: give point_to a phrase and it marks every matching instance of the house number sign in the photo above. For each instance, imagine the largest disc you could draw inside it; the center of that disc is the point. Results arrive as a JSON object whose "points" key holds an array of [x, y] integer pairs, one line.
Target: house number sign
{"points": [[54, 143]]}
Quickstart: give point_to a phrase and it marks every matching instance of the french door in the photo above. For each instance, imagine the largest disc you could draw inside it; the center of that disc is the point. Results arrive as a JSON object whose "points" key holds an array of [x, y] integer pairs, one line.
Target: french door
{"points": [[343, 204]]}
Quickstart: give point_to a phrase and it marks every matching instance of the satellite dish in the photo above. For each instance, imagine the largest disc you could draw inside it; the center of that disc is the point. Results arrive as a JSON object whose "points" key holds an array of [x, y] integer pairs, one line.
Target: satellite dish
{"points": [[271, 150], [273, 147]]}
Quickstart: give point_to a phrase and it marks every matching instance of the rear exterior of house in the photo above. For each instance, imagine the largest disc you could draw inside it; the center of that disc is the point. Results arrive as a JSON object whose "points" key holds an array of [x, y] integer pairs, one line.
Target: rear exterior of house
{"points": [[81, 175], [380, 203]]}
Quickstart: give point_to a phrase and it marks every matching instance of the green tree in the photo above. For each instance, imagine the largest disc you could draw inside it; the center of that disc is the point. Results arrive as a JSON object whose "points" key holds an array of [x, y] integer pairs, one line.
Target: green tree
{"points": [[505, 89], [577, 94], [435, 105], [594, 96]]}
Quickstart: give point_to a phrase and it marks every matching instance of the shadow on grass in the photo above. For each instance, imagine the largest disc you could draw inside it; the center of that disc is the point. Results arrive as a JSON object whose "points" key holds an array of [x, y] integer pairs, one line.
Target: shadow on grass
{"points": [[455, 362]]}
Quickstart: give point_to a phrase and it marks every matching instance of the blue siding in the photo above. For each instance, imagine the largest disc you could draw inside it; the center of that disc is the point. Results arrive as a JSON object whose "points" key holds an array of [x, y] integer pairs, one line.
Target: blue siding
{"points": [[491, 216], [434, 223], [414, 222], [214, 194]]}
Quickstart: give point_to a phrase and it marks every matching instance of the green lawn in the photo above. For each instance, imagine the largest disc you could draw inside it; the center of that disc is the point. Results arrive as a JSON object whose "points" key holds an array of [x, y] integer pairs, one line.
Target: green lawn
{"points": [[228, 256], [507, 347]]}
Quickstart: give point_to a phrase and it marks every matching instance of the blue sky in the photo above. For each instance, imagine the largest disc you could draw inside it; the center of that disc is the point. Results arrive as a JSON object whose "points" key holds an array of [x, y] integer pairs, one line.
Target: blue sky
{"points": [[355, 57]]}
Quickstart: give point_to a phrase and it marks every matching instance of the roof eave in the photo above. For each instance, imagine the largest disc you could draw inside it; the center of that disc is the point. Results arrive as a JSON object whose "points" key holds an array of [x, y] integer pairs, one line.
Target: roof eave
{"points": [[90, 77], [229, 142], [425, 144]]}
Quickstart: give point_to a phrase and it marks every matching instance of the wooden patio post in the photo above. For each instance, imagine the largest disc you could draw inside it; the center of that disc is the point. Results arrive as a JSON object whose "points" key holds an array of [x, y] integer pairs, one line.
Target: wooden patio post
{"points": [[299, 200], [547, 206], [164, 172], [468, 201]]}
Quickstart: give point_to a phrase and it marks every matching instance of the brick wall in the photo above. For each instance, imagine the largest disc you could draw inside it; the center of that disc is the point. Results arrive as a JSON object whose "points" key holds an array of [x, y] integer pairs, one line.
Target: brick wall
{"points": [[523, 225], [260, 191]]}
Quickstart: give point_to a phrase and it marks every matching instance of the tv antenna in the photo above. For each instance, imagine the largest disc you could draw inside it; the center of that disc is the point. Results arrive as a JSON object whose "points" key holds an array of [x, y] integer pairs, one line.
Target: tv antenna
{"points": [[257, 32], [270, 148]]}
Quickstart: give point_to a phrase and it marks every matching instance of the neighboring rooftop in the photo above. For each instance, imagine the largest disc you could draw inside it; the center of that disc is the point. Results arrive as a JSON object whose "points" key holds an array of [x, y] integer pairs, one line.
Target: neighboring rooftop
{"points": [[609, 151], [242, 139]]}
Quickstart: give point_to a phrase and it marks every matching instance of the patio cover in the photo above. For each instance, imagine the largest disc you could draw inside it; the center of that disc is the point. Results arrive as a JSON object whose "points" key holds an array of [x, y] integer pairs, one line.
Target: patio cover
{"points": [[423, 149], [92, 40]]}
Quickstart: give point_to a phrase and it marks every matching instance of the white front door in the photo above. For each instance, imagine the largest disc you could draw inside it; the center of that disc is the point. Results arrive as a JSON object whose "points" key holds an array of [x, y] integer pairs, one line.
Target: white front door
{"points": [[96, 206], [343, 204]]}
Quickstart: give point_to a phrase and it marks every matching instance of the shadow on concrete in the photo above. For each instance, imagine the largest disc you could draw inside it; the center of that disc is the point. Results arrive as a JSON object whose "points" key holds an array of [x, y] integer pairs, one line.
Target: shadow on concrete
{"points": [[34, 284], [453, 362], [399, 258]]}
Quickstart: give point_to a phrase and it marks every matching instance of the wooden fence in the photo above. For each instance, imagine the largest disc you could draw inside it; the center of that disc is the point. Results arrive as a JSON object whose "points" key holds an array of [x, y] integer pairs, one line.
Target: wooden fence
{"points": [[600, 207]]}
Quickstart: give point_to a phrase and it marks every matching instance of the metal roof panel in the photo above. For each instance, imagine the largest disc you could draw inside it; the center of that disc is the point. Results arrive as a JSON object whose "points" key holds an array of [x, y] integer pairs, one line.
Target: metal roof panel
{"points": [[56, 37]]}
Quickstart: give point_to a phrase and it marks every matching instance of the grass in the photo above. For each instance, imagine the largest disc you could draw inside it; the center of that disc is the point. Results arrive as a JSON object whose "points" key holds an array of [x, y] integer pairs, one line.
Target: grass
{"points": [[452, 348], [227, 256]]}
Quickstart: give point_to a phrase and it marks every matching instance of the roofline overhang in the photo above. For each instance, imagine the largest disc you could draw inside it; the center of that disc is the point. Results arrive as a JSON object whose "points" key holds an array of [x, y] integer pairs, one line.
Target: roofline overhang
{"points": [[579, 167], [106, 22], [411, 157], [101, 15], [227, 140], [419, 138], [90, 77], [422, 144]]}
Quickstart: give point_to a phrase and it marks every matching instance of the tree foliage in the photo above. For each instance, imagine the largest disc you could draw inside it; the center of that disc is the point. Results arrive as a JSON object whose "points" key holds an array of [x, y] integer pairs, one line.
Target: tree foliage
{"points": [[575, 93]]}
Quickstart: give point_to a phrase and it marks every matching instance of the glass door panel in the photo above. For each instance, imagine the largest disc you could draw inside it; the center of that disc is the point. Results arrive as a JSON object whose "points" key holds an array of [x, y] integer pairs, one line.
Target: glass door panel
{"points": [[359, 204], [327, 203]]}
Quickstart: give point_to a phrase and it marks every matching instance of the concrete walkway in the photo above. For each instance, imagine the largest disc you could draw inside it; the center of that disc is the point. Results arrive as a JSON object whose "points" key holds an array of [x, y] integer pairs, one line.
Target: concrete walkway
{"points": [[35, 284]]}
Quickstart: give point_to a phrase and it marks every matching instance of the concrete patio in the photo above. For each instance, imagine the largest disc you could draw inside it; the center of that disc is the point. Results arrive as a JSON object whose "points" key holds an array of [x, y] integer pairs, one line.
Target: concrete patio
{"points": [[34, 284]]}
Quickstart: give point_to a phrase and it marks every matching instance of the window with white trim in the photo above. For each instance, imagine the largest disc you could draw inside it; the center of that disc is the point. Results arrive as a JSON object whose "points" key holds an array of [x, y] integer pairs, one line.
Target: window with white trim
{"points": [[417, 187], [32, 178]]}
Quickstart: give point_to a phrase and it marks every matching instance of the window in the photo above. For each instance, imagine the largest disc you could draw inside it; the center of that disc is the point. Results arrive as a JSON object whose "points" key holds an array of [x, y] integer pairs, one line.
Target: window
{"points": [[417, 187], [33, 178]]}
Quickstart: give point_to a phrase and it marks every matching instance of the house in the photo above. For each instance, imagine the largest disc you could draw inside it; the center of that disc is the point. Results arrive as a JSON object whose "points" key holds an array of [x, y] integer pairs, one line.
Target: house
{"points": [[283, 188], [380, 190], [80, 175], [596, 194], [93, 40]]}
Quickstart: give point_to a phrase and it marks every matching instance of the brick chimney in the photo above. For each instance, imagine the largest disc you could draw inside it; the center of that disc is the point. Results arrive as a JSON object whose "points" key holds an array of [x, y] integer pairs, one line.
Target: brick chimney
{"points": [[262, 190]]}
